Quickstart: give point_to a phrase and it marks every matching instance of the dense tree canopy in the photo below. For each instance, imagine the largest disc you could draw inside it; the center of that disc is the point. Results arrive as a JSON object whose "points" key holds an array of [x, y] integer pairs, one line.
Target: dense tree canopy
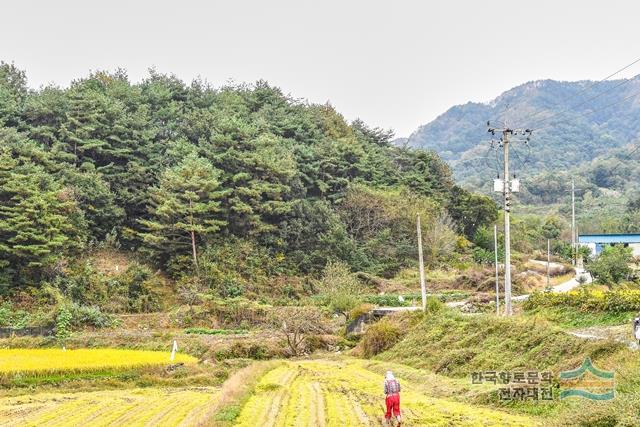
{"points": [[168, 169]]}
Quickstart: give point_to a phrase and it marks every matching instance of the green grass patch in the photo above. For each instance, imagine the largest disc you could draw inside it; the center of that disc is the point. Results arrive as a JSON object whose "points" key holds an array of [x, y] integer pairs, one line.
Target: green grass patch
{"points": [[149, 376], [456, 345], [572, 318], [61, 377], [228, 413], [207, 331], [587, 299]]}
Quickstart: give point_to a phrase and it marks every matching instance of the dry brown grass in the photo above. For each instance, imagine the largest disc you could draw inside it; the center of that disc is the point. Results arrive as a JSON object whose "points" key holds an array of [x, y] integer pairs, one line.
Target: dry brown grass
{"points": [[555, 269], [235, 392], [110, 262]]}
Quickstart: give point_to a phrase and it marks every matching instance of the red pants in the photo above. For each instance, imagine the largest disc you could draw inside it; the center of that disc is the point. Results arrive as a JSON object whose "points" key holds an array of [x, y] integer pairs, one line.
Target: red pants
{"points": [[393, 405]]}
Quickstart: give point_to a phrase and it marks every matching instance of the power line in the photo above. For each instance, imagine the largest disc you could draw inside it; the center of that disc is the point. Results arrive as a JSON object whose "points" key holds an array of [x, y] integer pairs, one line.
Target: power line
{"points": [[624, 82], [591, 86], [596, 110], [472, 162], [627, 157], [497, 159], [593, 111], [583, 90], [497, 119], [523, 165]]}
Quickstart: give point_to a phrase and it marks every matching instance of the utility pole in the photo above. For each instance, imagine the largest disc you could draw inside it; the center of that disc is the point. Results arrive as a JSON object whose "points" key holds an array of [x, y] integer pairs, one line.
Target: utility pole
{"points": [[507, 226], [548, 262], [573, 222], [506, 193], [423, 287], [495, 250]]}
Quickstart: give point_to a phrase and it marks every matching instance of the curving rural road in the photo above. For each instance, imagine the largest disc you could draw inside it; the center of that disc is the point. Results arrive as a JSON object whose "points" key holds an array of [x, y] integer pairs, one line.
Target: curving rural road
{"points": [[565, 286]]}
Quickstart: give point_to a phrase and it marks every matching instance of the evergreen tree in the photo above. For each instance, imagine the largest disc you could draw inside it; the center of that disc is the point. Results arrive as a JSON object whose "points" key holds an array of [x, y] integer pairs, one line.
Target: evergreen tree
{"points": [[39, 221], [13, 92], [185, 209], [165, 164]]}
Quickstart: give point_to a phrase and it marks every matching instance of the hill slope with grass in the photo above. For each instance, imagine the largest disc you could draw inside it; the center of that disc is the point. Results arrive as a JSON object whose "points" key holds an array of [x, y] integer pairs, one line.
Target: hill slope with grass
{"points": [[455, 345]]}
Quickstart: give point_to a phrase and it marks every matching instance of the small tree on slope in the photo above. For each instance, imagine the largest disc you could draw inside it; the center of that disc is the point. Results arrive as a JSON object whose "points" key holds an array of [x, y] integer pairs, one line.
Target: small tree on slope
{"points": [[184, 208]]}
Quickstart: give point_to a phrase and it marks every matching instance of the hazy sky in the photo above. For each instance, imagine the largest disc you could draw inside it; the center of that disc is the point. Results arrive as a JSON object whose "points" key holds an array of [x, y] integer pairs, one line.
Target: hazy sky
{"points": [[395, 64]]}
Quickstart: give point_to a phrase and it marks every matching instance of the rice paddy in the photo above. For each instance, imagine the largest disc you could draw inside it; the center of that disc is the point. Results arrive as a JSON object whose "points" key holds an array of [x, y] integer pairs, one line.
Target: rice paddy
{"points": [[135, 407], [341, 392], [344, 393], [54, 360]]}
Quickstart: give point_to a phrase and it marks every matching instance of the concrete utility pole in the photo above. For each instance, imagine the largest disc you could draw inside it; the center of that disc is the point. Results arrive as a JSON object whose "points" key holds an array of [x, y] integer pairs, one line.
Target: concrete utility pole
{"points": [[507, 226], [506, 192], [423, 287], [573, 222], [495, 251], [548, 261]]}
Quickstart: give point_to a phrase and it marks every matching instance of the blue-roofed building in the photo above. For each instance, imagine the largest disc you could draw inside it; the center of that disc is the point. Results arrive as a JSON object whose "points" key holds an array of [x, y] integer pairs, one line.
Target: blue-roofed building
{"points": [[596, 242]]}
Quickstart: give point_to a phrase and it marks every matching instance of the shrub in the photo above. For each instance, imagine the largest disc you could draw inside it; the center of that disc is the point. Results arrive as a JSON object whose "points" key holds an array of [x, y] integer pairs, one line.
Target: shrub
{"points": [[12, 318], [379, 337], [63, 324], [340, 288], [82, 315], [232, 267], [360, 310], [295, 324], [392, 300], [612, 265], [249, 350], [236, 312], [483, 256], [433, 305], [138, 287], [134, 290], [587, 300]]}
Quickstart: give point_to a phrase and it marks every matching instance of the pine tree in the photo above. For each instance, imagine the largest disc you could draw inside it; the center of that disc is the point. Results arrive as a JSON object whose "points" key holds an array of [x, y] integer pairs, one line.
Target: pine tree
{"points": [[184, 208], [13, 91], [39, 221], [106, 129]]}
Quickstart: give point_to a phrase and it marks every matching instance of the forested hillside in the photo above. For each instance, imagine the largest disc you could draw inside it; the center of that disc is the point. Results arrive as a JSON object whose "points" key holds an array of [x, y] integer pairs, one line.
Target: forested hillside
{"points": [[573, 123], [583, 130], [193, 178]]}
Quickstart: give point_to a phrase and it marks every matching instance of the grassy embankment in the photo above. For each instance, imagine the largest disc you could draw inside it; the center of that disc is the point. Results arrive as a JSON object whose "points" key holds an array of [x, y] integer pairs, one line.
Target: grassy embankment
{"points": [[455, 345]]}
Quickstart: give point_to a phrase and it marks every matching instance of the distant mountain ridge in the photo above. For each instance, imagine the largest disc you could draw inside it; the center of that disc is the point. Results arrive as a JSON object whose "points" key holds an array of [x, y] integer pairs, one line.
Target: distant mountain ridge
{"points": [[574, 123]]}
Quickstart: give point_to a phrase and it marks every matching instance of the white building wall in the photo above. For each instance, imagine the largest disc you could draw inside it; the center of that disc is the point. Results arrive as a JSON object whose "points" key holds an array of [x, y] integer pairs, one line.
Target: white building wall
{"points": [[636, 248], [591, 246]]}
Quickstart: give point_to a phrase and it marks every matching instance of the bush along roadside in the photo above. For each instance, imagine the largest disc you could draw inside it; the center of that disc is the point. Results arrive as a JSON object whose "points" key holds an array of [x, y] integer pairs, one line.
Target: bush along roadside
{"points": [[587, 300]]}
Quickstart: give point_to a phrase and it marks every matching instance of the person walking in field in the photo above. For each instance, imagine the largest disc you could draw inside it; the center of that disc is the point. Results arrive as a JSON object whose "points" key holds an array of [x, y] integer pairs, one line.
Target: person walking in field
{"points": [[392, 397]]}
